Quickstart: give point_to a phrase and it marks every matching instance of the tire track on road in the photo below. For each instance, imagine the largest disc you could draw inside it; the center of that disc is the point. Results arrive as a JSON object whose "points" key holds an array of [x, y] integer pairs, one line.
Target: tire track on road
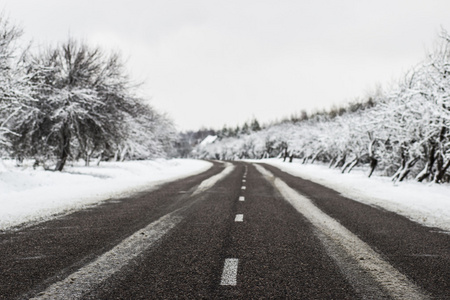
{"points": [[336, 236], [35, 257], [276, 254], [188, 262], [90, 276], [421, 253]]}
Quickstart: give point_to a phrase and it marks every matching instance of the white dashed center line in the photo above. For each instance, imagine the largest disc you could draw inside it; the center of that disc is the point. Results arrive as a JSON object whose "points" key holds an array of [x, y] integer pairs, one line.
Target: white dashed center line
{"points": [[229, 274], [239, 218]]}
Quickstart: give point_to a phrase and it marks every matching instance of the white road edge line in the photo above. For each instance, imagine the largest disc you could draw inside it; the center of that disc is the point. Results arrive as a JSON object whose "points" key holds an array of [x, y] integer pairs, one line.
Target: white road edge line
{"points": [[241, 198], [210, 182], [229, 274], [239, 218], [394, 282], [88, 277]]}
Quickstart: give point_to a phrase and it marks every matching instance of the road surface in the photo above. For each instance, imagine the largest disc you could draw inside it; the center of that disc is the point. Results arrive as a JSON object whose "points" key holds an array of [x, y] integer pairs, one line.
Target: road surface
{"points": [[236, 231]]}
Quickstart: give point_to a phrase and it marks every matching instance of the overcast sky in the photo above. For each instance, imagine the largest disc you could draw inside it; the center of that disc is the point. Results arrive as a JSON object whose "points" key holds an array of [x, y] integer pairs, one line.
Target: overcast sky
{"points": [[210, 63]]}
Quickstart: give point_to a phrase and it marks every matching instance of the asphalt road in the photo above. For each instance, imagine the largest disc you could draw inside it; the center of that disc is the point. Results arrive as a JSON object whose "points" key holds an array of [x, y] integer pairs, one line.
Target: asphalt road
{"points": [[248, 233]]}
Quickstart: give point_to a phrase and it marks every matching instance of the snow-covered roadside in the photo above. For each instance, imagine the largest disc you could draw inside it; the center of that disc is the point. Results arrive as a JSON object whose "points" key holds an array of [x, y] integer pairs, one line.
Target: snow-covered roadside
{"points": [[427, 204], [28, 195]]}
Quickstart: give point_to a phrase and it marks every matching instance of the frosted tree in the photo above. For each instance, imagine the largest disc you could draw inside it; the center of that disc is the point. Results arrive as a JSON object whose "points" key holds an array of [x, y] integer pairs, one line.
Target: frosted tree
{"points": [[403, 132], [149, 133], [81, 93], [416, 118], [13, 83], [254, 126], [435, 90]]}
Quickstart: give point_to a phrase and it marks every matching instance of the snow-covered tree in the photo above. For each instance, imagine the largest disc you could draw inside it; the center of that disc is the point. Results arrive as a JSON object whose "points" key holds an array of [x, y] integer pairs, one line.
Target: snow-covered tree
{"points": [[149, 133], [13, 83], [80, 92], [85, 106], [403, 131]]}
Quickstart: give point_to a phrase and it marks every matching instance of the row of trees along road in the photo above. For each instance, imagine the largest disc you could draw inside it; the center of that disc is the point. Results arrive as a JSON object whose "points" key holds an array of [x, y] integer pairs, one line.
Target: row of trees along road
{"points": [[73, 101], [402, 132]]}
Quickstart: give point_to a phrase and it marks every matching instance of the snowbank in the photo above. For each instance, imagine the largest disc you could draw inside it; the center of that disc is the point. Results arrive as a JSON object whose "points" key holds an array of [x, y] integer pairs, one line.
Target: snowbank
{"points": [[427, 204], [28, 195]]}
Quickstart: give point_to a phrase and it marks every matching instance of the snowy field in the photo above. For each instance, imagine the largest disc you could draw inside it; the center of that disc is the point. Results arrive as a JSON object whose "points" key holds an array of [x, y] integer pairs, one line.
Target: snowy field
{"points": [[427, 204], [30, 196]]}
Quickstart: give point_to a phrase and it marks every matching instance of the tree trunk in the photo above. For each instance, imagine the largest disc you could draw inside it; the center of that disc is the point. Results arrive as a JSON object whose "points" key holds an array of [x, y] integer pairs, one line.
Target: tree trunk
{"points": [[123, 153], [64, 148], [428, 170], [333, 160], [99, 159], [441, 173], [19, 161], [315, 156], [441, 168], [285, 154], [62, 161], [401, 174], [348, 164], [345, 166], [373, 165], [353, 164], [402, 166], [340, 162]]}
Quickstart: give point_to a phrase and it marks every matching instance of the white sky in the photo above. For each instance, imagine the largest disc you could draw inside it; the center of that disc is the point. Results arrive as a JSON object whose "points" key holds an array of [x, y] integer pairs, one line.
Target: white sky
{"points": [[210, 63]]}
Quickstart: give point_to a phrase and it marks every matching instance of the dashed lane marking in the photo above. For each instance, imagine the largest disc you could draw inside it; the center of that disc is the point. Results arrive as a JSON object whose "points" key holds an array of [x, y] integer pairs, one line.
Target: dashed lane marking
{"points": [[239, 218], [243, 187], [229, 274], [241, 198]]}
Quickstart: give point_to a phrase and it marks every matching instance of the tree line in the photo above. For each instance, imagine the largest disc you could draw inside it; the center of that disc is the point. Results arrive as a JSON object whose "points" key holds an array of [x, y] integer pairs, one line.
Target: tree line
{"points": [[186, 141], [73, 101], [402, 131]]}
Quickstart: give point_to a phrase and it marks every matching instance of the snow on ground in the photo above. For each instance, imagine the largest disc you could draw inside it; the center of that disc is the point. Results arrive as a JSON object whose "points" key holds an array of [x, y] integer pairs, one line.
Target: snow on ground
{"points": [[424, 203], [28, 195]]}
